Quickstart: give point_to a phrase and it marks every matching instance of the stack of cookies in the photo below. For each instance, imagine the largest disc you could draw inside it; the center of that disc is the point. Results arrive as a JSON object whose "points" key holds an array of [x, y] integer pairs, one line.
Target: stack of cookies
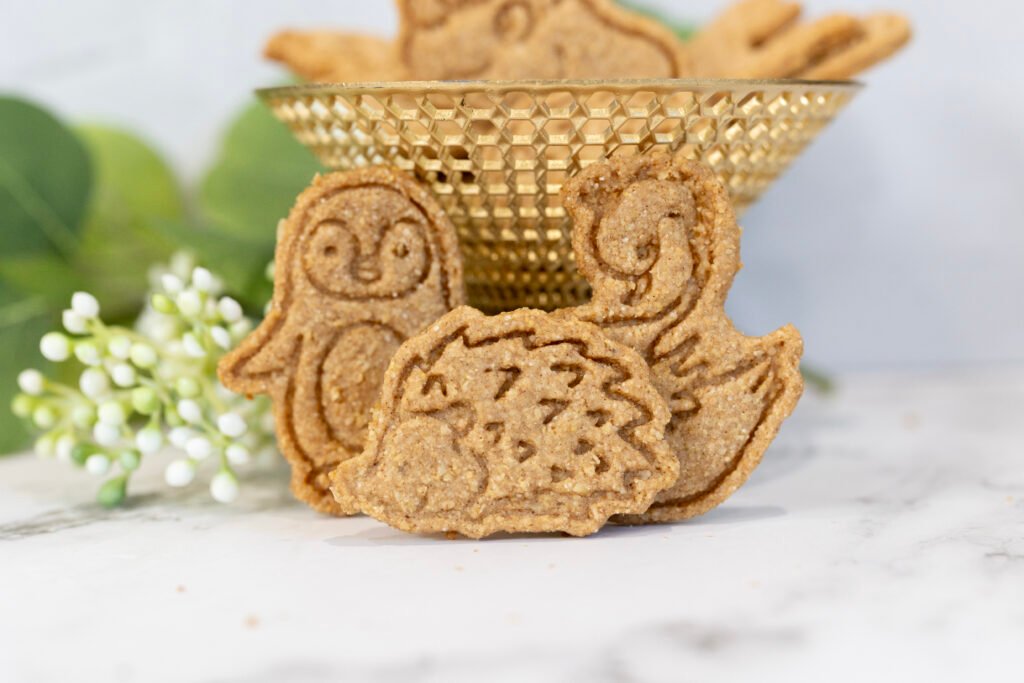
{"points": [[393, 399], [588, 39]]}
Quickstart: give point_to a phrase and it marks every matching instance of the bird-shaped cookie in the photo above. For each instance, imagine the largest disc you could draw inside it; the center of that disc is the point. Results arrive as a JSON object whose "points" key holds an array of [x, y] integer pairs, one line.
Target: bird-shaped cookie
{"points": [[365, 259], [657, 239]]}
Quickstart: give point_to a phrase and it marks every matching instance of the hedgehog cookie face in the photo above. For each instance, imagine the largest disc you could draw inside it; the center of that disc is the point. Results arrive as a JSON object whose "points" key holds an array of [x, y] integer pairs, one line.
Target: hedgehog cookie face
{"points": [[657, 239], [513, 39], [365, 260], [520, 422]]}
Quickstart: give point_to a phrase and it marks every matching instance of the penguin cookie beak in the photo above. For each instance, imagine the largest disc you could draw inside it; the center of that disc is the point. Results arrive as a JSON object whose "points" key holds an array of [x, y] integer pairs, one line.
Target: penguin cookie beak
{"points": [[367, 271]]}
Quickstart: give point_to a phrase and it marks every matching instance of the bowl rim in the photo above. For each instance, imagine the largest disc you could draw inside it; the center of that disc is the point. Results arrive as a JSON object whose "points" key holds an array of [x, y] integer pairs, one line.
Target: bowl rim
{"points": [[638, 84]]}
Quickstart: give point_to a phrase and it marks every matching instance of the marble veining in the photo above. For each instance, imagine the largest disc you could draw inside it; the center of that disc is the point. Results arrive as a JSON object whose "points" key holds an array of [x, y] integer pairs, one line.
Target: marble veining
{"points": [[882, 539]]}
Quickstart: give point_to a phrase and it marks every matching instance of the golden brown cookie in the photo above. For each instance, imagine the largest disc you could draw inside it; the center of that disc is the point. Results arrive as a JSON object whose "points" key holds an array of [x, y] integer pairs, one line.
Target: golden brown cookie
{"points": [[365, 259], [533, 39], [520, 422], [333, 57], [766, 39], [882, 35], [658, 241]]}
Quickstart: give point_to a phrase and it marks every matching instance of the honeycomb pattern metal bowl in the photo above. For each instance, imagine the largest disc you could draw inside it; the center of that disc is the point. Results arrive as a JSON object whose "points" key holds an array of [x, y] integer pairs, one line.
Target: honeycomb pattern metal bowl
{"points": [[496, 153]]}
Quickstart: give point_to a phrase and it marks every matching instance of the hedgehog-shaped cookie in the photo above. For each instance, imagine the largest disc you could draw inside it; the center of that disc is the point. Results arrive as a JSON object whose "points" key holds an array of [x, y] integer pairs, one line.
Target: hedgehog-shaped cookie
{"points": [[519, 422], [536, 39], [365, 260], [658, 241]]}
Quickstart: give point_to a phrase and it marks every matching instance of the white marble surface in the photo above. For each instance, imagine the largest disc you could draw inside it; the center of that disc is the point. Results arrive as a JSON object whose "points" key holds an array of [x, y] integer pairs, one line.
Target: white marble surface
{"points": [[882, 539]]}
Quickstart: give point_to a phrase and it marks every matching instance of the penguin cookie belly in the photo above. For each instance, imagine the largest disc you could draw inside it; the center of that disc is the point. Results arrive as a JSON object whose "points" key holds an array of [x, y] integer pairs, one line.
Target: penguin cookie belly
{"points": [[350, 379]]}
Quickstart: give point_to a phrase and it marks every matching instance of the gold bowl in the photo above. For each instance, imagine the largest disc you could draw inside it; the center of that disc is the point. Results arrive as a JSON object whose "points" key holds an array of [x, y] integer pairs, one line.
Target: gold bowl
{"points": [[496, 153]]}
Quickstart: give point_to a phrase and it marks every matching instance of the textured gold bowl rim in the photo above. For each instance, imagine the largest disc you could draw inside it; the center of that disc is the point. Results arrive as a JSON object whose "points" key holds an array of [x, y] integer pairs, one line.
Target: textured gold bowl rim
{"points": [[638, 84]]}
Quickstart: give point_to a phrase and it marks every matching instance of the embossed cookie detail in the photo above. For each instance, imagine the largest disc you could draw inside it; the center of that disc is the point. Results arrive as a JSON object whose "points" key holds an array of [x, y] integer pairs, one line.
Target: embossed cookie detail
{"points": [[658, 241], [767, 39], [517, 422], [512, 39], [326, 56], [365, 260]]}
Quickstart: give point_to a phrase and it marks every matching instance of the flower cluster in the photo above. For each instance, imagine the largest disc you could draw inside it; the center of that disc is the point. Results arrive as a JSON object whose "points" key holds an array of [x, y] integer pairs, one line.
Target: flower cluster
{"points": [[142, 391]]}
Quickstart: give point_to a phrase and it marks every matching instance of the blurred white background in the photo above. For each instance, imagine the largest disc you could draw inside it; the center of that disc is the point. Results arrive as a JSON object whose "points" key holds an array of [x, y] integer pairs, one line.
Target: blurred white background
{"points": [[897, 239]]}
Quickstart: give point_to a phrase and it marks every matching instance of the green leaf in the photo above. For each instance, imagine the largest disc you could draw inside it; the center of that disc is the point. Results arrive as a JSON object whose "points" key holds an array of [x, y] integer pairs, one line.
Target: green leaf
{"points": [[112, 493], [254, 182], [134, 189], [22, 322], [818, 380], [45, 178], [45, 277], [683, 30]]}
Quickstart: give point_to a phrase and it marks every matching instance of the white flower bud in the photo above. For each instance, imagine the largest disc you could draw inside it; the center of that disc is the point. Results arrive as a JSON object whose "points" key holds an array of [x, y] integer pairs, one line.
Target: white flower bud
{"points": [[182, 263], [55, 347], [112, 413], [143, 355], [31, 382], [179, 436], [88, 353], [179, 473], [123, 375], [85, 305], [171, 283], [231, 425], [190, 411], [73, 322], [97, 464], [241, 328], [45, 446], [65, 445], [229, 309], [187, 387], [202, 280], [199, 448], [44, 417], [93, 382], [120, 347], [192, 346], [190, 302], [83, 416], [238, 454], [106, 434], [221, 337], [224, 487], [149, 440]]}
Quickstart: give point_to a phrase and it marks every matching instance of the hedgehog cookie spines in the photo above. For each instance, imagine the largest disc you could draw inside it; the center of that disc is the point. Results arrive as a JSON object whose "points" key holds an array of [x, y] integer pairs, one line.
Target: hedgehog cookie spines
{"points": [[517, 422]]}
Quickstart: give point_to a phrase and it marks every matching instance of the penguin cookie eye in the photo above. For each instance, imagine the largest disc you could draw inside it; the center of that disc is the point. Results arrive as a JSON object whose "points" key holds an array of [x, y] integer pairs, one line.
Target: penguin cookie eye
{"points": [[401, 250], [330, 251], [514, 21]]}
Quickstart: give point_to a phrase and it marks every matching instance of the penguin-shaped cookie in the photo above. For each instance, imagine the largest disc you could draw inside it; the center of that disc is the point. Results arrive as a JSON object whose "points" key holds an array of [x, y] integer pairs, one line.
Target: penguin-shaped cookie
{"points": [[365, 259], [658, 241]]}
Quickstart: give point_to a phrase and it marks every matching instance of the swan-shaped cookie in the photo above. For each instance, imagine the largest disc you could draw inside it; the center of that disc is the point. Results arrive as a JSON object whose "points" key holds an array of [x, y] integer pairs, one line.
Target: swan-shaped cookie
{"points": [[365, 260], [658, 241]]}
